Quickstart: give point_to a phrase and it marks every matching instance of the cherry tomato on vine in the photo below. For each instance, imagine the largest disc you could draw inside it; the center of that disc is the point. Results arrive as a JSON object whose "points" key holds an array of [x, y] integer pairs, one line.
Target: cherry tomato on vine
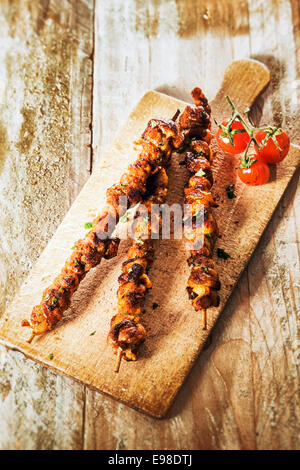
{"points": [[258, 173], [240, 139], [270, 153]]}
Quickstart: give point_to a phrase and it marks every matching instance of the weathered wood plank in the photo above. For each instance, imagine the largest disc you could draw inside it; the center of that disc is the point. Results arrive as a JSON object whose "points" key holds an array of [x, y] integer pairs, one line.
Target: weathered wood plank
{"points": [[274, 313], [210, 410], [147, 45], [45, 152], [152, 382], [169, 46], [233, 398], [46, 78], [38, 408], [204, 413], [273, 273]]}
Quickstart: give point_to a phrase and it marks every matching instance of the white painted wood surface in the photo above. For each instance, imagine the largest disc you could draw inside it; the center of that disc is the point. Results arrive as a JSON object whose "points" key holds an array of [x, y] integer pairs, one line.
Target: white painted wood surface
{"points": [[45, 152], [243, 390]]}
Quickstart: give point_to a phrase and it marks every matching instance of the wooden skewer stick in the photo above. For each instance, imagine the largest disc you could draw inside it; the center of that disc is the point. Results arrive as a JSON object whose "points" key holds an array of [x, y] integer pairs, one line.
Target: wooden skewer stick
{"points": [[176, 115], [31, 338], [118, 361], [203, 315]]}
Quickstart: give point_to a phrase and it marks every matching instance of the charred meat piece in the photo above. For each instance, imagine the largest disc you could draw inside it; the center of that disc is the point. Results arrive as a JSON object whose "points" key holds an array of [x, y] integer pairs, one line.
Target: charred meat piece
{"points": [[156, 148], [126, 332], [202, 232]]}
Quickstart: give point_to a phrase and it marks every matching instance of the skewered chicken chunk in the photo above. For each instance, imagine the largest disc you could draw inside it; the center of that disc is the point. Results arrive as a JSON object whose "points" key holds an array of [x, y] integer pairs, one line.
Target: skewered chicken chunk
{"points": [[156, 150], [126, 330], [203, 282]]}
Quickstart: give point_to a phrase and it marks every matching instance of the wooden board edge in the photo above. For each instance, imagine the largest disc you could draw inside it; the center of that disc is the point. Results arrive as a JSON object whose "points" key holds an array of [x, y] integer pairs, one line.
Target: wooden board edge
{"points": [[155, 411], [98, 167], [188, 369]]}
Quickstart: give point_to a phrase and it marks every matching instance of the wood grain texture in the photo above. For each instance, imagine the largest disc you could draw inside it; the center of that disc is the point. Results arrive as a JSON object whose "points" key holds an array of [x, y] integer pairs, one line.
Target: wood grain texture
{"points": [[171, 347], [173, 46], [165, 45], [45, 147], [45, 139], [219, 33], [39, 409]]}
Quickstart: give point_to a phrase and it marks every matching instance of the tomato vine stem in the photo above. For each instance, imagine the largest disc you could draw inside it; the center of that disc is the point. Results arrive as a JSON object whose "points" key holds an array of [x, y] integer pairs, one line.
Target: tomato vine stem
{"points": [[227, 131]]}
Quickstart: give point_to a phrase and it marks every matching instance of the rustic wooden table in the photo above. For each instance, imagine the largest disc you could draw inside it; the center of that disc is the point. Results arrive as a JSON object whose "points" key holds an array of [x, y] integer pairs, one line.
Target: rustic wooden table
{"points": [[70, 71]]}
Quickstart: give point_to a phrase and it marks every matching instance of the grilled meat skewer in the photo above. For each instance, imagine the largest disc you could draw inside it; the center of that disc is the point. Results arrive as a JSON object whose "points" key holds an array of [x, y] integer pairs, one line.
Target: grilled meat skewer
{"points": [[203, 282], [157, 145], [127, 333]]}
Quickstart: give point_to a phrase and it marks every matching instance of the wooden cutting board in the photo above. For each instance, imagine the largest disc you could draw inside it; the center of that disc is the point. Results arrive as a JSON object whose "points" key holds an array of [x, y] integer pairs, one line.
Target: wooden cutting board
{"points": [[174, 330]]}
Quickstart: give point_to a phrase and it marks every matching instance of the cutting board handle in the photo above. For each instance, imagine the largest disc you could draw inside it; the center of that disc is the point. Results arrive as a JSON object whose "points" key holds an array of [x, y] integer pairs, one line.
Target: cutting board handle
{"points": [[243, 81]]}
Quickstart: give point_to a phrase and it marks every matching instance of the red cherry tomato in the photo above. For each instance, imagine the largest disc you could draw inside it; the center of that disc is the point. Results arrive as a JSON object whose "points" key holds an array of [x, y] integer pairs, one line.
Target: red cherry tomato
{"points": [[270, 153], [240, 140], [258, 173]]}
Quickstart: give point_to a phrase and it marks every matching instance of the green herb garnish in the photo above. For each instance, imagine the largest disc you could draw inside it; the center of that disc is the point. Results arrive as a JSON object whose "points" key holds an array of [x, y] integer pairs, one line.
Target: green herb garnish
{"points": [[124, 217], [230, 191], [186, 143], [204, 268], [145, 221], [200, 173], [54, 301], [199, 214], [88, 225], [51, 356], [92, 334], [205, 192], [222, 254], [123, 185], [200, 154]]}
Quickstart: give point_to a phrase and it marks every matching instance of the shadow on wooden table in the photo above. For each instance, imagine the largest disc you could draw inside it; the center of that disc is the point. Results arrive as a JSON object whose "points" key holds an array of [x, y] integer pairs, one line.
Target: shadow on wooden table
{"points": [[195, 377]]}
